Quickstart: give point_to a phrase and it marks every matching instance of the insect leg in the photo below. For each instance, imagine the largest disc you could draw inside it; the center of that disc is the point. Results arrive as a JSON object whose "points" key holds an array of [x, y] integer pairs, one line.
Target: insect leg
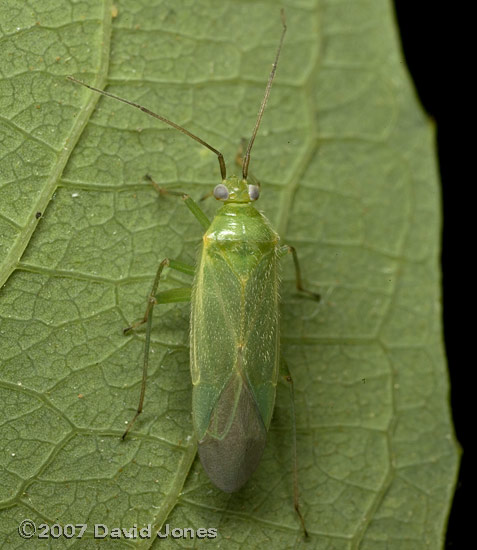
{"points": [[174, 295], [189, 202], [207, 195], [285, 373], [299, 285]]}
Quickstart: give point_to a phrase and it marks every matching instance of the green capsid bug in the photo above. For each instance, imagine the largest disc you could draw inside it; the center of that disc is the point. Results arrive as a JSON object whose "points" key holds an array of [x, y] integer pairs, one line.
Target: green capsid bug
{"points": [[234, 336]]}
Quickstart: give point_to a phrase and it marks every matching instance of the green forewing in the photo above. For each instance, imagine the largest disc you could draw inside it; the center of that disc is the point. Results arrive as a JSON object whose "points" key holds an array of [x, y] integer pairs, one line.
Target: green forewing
{"points": [[235, 333]]}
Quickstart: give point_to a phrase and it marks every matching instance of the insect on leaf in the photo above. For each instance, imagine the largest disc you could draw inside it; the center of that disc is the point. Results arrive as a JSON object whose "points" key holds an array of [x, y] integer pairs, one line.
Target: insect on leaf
{"points": [[346, 159]]}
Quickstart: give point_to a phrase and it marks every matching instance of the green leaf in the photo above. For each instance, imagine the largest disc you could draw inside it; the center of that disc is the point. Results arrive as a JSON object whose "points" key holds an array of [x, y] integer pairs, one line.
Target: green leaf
{"points": [[346, 158]]}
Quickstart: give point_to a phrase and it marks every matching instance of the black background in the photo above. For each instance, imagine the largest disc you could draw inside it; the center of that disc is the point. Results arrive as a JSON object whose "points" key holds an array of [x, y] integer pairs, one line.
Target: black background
{"points": [[432, 36]]}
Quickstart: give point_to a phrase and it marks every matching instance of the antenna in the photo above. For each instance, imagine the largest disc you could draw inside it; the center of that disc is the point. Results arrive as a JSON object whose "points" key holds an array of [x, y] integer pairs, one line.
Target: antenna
{"points": [[223, 171], [246, 159]]}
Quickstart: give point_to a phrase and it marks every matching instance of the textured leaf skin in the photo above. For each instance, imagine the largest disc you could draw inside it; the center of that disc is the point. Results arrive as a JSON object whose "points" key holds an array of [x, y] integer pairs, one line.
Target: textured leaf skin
{"points": [[234, 343], [347, 162]]}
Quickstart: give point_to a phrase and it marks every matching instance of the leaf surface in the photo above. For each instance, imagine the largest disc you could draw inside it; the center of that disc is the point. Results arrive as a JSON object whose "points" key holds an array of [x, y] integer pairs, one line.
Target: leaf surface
{"points": [[346, 159]]}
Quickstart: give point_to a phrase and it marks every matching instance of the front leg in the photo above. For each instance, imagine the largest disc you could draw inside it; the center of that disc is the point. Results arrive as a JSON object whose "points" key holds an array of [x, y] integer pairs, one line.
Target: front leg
{"points": [[196, 210]]}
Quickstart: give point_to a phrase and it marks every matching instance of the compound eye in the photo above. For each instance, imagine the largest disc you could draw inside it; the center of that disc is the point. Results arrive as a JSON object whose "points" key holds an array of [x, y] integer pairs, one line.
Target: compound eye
{"points": [[221, 192], [253, 192]]}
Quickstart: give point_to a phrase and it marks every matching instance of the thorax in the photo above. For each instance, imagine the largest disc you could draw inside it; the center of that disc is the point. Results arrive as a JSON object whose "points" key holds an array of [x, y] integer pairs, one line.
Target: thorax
{"points": [[240, 223]]}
